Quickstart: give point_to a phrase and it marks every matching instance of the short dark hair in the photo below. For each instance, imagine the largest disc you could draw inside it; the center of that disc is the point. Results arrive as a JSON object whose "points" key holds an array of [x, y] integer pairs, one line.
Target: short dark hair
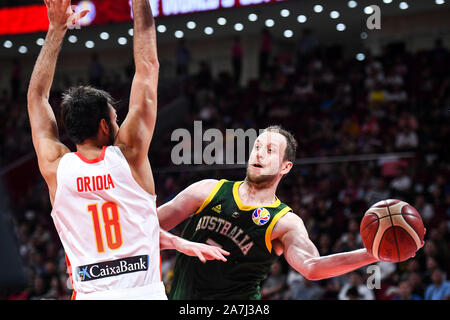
{"points": [[82, 109], [291, 144]]}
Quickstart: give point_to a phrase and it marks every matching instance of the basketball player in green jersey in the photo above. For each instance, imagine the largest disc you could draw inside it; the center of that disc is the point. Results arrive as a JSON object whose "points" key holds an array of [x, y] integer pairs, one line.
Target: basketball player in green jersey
{"points": [[248, 220]]}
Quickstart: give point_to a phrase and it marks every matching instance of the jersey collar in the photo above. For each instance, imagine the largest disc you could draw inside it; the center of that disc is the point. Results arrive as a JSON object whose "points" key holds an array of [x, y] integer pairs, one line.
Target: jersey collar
{"points": [[245, 207]]}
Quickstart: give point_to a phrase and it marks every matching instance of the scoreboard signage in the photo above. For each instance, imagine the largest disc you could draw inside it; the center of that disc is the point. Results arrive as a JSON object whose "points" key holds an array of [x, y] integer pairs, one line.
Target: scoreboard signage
{"points": [[33, 18]]}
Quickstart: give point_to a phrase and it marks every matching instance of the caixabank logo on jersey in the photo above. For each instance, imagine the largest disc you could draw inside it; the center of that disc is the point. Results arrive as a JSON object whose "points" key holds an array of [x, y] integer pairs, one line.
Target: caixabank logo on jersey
{"points": [[111, 268]]}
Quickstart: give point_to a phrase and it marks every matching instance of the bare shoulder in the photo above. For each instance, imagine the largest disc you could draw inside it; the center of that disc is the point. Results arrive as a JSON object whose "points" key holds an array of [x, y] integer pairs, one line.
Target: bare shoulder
{"points": [[289, 222], [289, 230], [187, 202], [49, 153], [202, 188]]}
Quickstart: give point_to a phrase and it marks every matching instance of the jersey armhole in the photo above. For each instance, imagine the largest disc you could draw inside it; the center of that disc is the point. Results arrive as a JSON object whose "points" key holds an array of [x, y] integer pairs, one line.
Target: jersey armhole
{"points": [[58, 179], [272, 224], [211, 195]]}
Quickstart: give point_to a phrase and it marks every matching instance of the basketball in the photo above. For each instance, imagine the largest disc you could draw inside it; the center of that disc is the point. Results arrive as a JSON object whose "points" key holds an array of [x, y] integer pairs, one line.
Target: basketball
{"points": [[392, 230]]}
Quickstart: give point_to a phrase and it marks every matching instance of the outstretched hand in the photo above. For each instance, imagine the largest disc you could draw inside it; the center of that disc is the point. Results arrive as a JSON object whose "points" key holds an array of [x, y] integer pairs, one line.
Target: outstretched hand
{"points": [[61, 15], [422, 244], [203, 251]]}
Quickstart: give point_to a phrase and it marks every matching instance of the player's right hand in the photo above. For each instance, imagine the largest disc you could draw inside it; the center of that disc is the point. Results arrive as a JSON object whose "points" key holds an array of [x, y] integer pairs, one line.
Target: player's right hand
{"points": [[60, 14]]}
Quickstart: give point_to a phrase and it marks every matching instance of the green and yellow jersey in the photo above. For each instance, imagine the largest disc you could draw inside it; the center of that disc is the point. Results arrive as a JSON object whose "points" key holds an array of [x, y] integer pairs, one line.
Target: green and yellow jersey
{"points": [[244, 231]]}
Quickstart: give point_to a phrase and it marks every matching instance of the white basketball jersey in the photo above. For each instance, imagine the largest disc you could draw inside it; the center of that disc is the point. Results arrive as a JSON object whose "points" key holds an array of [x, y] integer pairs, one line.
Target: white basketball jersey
{"points": [[109, 228]]}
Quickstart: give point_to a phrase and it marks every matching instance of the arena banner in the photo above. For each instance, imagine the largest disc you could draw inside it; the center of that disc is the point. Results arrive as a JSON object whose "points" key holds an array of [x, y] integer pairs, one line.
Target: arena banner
{"points": [[33, 18]]}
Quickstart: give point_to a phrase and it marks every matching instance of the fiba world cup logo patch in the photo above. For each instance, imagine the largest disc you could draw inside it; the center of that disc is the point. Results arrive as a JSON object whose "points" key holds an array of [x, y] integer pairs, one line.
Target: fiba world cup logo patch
{"points": [[260, 216]]}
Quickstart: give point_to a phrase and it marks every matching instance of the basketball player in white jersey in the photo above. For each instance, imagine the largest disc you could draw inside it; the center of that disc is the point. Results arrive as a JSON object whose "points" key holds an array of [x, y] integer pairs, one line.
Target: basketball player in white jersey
{"points": [[103, 195]]}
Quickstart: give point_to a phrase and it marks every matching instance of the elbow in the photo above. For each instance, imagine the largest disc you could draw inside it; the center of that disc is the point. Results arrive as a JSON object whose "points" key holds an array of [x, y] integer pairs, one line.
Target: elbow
{"points": [[35, 98], [31, 94], [312, 273], [312, 277], [35, 93], [163, 225]]}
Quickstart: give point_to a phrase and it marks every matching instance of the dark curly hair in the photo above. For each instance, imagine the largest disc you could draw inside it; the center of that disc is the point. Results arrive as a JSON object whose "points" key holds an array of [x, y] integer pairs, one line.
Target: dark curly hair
{"points": [[82, 109]]}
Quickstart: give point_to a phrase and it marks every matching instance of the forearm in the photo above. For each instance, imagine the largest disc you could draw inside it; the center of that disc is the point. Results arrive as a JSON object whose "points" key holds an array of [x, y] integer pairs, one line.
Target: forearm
{"points": [[168, 241], [337, 264], [144, 38], [44, 69]]}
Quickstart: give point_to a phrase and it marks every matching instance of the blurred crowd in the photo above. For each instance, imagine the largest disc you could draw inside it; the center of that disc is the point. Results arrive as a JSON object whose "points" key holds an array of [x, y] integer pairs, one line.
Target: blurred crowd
{"points": [[395, 102]]}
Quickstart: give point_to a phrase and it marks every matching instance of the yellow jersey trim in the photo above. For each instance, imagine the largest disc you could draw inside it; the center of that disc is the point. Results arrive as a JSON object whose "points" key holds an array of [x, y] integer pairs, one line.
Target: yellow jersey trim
{"points": [[211, 195], [277, 217], [244, 207]]}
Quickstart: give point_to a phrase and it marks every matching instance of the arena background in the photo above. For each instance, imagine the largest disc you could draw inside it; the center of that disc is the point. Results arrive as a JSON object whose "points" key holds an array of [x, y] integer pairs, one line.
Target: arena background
{"points": [[369, 108]]}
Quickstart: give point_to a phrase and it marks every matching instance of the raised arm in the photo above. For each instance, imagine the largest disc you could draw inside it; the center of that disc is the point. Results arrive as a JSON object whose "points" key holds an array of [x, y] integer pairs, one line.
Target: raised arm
{"points": [[136, 132], [44, 128], [290, 237], [185, 203]]}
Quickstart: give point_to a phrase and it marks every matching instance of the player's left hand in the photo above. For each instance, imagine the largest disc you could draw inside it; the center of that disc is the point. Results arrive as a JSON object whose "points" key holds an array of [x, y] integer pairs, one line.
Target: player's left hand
{"points": [[203, 251]]}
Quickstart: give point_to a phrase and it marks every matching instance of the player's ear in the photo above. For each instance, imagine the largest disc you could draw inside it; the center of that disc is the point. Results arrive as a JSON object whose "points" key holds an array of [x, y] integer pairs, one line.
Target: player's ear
{"points": [[104, 126], [287, 166]]}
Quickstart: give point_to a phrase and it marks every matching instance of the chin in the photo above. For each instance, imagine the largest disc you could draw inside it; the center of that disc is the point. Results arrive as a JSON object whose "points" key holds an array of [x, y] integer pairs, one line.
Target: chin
{"points": [[260, 178]]}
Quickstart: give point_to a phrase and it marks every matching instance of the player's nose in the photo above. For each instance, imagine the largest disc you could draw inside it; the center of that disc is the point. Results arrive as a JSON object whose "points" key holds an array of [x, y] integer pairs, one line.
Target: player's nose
{"points": [[259, 155]]}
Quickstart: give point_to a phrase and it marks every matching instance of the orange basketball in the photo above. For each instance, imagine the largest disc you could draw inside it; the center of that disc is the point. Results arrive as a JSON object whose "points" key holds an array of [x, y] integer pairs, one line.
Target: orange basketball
{"points": [[392, 230]]}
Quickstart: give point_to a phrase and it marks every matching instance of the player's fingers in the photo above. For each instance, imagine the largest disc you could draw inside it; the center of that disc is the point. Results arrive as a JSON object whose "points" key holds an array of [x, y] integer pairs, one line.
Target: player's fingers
{"points": [[200, 255], [83, 13], [74, 18], [47, 3], [216, 255], [64, 4], [220, 254], [223, 251]]}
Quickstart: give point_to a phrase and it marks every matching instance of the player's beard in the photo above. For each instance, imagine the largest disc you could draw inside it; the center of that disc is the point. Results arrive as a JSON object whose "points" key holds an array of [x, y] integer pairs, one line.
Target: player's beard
{"points": [[260, 179], [111, 136]]}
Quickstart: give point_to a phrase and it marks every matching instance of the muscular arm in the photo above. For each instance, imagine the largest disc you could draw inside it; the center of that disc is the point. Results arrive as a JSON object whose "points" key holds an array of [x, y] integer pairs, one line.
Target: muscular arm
{"points": [[291, 238], [44, 128], [43, 123], [136, 132], [184, 204]]}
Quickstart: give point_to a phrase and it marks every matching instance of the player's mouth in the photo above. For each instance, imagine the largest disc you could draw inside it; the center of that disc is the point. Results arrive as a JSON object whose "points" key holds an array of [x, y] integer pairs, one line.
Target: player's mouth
{"points": [[257, 165]]}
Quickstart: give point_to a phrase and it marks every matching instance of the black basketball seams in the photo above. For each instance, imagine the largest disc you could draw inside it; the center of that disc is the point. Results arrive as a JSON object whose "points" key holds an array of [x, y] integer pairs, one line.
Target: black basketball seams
{"points": [[394, 214], [395, 235], [377, 219]]}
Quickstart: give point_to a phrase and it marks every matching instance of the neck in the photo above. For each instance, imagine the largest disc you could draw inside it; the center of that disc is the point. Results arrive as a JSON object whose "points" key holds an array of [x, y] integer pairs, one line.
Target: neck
{"points": [[258, 194], [90, 148]]}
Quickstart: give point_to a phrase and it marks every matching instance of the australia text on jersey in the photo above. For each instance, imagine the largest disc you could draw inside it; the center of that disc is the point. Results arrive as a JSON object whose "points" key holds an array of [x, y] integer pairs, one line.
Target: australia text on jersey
{"points": [[227, 229]]}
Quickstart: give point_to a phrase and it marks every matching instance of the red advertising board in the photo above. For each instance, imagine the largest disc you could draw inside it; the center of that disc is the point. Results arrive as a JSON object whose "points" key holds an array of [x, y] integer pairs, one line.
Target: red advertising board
{"points": [[33, 18]]}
